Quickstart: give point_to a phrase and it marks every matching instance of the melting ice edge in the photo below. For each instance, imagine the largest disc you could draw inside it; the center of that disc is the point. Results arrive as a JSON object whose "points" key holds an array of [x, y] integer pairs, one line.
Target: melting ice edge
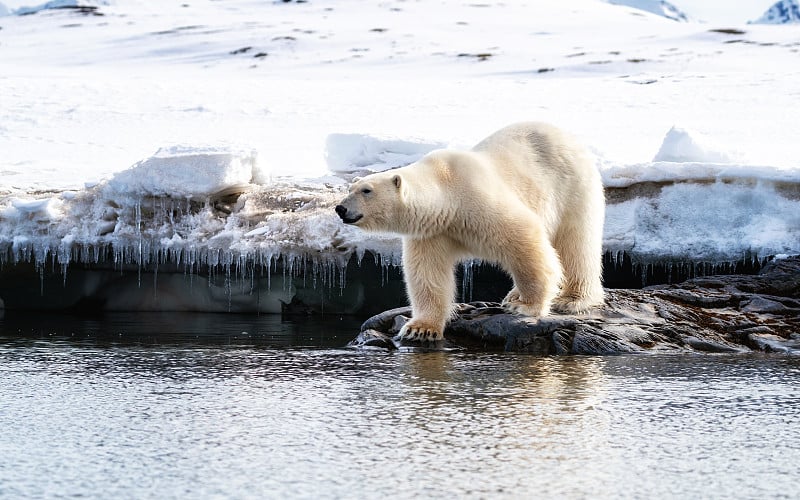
{"points": [[208, 214]]}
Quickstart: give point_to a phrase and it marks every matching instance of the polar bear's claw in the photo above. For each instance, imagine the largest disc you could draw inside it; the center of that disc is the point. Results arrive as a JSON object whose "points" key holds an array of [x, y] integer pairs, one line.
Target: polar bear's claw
{"points": [[420, 333]]}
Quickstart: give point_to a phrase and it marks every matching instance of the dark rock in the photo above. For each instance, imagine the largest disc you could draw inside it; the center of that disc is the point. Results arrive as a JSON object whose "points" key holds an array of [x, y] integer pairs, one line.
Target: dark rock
{"points": [[372, 339], [710, 314], [385, 321], [380, 332]]}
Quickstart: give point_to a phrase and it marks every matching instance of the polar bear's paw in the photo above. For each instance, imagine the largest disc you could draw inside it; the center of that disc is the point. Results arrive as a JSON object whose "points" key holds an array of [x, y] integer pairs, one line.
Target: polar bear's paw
{"points": [[420, 331], [566, 304], [514, 304], [512, 296]]}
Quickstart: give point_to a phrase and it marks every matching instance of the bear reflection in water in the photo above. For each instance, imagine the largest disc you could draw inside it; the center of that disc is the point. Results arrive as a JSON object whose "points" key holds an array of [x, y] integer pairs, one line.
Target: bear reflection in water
{"points": [[528, 198]]}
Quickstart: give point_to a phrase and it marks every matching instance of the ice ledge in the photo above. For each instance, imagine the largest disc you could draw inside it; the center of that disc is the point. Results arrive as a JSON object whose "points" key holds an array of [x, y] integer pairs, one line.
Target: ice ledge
{"points": [[247, 226], [696, 220], [280, 247], [687, 221], [215, 207]]}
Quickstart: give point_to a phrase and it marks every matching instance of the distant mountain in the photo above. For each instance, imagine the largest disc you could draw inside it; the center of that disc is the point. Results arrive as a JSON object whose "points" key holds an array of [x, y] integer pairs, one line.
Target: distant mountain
{"points": [[659, 7], [783, 12]]}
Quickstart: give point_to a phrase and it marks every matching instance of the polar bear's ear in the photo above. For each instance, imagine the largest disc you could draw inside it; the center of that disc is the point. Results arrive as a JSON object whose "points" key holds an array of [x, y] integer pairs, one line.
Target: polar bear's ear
{"points": [[397, 180]]}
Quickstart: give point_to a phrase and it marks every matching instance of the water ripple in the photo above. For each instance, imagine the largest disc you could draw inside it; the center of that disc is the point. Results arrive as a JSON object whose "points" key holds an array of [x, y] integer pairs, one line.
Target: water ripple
{"points": [[169, 421]]}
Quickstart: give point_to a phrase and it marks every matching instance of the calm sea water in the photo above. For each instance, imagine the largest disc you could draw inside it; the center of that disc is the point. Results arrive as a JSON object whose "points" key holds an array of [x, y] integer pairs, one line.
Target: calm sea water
{"points": [[225, 406]]}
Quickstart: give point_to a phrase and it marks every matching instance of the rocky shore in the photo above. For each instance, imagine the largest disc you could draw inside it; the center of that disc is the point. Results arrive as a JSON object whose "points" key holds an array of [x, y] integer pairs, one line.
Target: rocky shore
{"points": [[727, 313]]}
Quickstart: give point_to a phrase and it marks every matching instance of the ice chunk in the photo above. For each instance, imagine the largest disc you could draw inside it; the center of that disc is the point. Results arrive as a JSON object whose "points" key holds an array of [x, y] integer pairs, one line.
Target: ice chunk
{"points": [[354, 152], [38, 210], [681, 145], [186, 172]]}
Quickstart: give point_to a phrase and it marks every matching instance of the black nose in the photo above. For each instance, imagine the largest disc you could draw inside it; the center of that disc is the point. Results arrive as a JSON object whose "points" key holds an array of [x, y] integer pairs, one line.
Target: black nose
{"points": [[341, 210]]}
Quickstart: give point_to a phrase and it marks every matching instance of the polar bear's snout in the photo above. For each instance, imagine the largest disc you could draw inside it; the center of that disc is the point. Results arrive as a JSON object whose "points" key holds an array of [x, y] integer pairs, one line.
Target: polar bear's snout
{"points": [[347, 217]]}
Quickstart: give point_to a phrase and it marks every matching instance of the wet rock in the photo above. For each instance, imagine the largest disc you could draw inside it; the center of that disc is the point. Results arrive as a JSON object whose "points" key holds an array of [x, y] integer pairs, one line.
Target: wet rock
{"points": [[373, 339], [731, 313], [380, 332]]}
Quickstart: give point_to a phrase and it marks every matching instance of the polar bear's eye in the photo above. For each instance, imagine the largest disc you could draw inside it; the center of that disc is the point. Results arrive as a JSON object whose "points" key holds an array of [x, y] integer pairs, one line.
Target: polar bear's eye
{"points": [[366, 191]]}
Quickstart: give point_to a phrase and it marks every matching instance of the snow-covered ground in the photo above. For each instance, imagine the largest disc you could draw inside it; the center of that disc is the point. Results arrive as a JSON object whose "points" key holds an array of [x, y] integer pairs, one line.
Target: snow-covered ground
{"points": [[224, 131]]}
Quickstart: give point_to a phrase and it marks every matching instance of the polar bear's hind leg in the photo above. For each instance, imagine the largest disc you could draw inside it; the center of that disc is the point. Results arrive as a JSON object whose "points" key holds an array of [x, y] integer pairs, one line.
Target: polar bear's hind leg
{"points": [[535, 268], [580, 248]]}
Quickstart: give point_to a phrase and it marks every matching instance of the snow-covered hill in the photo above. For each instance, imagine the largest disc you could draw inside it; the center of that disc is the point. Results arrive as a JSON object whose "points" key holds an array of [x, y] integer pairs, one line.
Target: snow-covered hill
{"points": [[783, 12], [221, 133], [658, 7]]}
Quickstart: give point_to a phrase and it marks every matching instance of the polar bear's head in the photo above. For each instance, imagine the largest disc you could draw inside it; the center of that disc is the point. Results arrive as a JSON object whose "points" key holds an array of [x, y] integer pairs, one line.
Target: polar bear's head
{"points": [[374, 203]]}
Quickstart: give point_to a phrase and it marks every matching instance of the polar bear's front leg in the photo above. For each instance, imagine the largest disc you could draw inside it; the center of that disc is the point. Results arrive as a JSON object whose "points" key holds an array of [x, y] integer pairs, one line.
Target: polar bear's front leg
{"points": [[428, 268]]}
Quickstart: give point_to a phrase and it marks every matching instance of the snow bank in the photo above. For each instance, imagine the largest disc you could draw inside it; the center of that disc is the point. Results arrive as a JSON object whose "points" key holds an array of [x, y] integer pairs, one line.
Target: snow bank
{"points": [[187, 172], [346, 153], [687, 155], [682, 145], [617, 176], [699, 222], [693, 203]]}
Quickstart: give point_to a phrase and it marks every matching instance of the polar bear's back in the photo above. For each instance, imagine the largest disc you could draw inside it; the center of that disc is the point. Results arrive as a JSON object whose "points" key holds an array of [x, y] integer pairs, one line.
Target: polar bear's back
{"points": [[544, 166], [538, 147]]}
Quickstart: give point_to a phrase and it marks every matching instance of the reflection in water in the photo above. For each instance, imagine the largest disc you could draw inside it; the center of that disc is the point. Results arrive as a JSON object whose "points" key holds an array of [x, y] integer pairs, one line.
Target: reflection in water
{"points": [[202, 418], [158, 328]]}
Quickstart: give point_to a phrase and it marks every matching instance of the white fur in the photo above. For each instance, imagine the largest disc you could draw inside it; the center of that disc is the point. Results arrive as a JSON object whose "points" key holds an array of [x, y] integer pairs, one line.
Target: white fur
{"points": [[528, 198]]}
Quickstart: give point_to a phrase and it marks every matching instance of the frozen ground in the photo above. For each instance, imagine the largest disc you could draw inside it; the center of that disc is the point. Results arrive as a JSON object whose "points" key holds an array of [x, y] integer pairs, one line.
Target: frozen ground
{"points": [[223, 132]]}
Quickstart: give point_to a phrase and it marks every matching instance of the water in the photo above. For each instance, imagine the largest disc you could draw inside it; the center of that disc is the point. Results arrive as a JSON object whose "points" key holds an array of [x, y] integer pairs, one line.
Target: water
{"points": [[226, 406]]}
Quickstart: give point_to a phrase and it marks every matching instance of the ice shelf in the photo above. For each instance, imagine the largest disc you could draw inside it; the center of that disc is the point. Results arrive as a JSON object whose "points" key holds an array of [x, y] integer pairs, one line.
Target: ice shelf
{"points": [[201, 214]]}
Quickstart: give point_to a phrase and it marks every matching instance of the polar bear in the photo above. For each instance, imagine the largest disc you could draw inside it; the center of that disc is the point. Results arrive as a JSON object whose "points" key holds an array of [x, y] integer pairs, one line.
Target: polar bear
{"points": [[528, 198]]}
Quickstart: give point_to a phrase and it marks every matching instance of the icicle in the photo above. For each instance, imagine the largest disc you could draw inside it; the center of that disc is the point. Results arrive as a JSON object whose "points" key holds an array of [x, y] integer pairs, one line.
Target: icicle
{"points": [[138, 212], [155, 281], [644, 272], [227, 285], [467, 277]]}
